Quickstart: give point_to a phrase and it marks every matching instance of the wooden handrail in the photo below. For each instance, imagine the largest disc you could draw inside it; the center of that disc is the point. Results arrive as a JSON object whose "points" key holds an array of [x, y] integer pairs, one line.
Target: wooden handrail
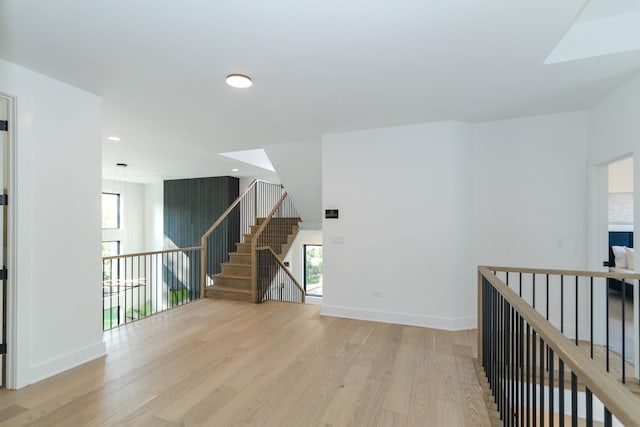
{"points": [[620, 401], [579, 273], [192, 248], [264, 248], [228, 211], [254, 242]]}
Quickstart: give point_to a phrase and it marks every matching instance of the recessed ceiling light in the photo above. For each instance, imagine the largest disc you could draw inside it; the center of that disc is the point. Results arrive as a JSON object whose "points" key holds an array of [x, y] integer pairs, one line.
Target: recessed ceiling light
{"points": [[235, 170], [113, 138], [239, 81]]}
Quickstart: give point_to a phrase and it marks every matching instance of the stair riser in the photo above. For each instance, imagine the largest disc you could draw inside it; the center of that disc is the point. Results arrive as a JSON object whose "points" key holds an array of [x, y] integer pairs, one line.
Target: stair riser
{"points": [[214, 293], [272, 229], [293, 221], [243, 248], [232, 282], [237, 258], [237, 270]]}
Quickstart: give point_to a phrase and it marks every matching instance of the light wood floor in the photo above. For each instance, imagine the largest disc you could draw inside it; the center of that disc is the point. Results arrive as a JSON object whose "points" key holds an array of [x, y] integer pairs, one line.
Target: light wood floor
{"points": [[221, 363]]}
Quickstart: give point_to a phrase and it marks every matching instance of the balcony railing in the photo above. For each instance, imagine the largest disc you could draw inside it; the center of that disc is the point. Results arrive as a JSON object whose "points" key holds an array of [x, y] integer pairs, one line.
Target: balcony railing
{"points": [[544, 348], [139, 285]]}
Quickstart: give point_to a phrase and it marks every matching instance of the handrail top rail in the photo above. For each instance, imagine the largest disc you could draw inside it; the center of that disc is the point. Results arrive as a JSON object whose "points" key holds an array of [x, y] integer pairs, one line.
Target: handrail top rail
{"points": [[234, 204], [268, 248], [166, 251], [266, 221], [620, 401], [580, 273]]}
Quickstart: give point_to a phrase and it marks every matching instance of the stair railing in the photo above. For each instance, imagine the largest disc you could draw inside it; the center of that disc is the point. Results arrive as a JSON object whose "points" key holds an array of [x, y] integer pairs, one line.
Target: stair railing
{"points": [[275, 282], [255, 201], [537, 374], [281, 223]]}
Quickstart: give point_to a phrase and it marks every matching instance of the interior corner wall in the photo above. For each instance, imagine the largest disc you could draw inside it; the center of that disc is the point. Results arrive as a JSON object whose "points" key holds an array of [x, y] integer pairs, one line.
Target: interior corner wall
{"points": [[400, 250], [54, 292], [530, 193], [299, 167]]}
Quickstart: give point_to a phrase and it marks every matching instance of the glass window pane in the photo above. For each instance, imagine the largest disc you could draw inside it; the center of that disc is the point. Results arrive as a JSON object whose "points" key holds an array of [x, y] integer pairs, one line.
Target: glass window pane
{"points": [[313, 269], [110, 210], [111, 248]]}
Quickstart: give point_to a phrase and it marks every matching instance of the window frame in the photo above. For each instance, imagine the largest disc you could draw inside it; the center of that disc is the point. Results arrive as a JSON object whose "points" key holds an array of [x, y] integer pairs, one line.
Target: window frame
{"points": [[119, 210]]}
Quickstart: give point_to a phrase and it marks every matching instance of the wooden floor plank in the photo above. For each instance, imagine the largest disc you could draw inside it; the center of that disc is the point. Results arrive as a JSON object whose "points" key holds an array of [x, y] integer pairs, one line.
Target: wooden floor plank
{"points": [[228, 363]]}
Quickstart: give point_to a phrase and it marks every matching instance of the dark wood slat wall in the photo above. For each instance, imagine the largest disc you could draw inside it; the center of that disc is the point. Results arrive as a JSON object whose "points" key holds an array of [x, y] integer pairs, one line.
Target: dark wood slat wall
{"points": [[191, 206]]}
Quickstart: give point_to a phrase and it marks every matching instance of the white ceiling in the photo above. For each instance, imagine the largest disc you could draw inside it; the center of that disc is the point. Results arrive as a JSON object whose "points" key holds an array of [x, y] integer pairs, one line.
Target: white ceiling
{"points": [[318, 67]]}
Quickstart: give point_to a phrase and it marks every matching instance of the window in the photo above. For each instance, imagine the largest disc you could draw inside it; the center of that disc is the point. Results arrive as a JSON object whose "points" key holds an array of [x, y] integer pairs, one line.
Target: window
{"points": [[110, 211], [313, 270], [111, 248]]}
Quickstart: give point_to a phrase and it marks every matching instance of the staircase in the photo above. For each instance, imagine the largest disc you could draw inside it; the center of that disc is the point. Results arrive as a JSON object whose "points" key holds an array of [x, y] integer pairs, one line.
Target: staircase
{"points": [[234, 281]]}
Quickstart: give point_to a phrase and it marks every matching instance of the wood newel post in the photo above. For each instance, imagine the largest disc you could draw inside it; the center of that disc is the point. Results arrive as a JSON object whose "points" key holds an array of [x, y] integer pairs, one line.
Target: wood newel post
{"points": [[254, 271], [203, 266]]}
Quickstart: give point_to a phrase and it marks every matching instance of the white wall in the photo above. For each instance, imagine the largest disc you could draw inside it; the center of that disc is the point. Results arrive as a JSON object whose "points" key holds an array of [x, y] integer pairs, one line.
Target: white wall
{"points": [[54, 286], [401, 250], [530, 192]]}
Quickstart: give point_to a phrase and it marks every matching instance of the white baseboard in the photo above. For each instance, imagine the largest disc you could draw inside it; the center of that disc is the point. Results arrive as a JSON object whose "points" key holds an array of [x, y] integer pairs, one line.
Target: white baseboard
{"points": [[68, 361], [435, 322]]}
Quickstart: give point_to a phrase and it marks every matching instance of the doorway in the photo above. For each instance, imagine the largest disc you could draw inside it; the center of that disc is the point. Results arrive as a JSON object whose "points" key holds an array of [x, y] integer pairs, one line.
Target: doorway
{"points": [[313, 270]]}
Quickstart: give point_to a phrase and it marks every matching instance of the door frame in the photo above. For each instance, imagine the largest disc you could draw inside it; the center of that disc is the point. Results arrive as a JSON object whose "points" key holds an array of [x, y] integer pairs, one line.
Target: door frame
{"points": [[304, 268], [598, 236], [11, 358]]}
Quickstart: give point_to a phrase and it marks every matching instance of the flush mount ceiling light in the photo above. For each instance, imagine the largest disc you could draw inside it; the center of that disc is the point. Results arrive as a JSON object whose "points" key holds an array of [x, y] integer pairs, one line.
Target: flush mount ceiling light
{"points": [[113, 138], [235, 170], [239, 81]]}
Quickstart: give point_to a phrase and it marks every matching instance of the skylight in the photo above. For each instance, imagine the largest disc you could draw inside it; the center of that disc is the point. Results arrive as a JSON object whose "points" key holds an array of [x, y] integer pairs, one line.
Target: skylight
{"points": [[603, 27], [256, 157]]}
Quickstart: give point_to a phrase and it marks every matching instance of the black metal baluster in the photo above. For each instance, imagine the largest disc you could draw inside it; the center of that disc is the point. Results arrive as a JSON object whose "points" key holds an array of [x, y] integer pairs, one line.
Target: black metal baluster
{"points": [[574, 400], [624, 353], [607, 324], [542, 351], [561, 391], [547, 317], [533, 290], [528, 352], [534, 396], [591, 319], [576, 310], [551, 386], [562, 304], [520, 284], [607, 418], [522, 367], [589, 399]]}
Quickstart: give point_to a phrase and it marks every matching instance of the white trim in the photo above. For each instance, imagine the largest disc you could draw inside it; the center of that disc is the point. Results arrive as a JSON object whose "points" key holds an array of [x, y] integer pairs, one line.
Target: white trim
{"points": [[436, 322], [67, 361], [11, 373], [311, 299]]}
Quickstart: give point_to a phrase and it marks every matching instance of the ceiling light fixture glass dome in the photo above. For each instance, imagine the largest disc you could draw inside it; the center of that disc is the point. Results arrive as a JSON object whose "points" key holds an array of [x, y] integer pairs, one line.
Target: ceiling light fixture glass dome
{"points": [[239, 81]]}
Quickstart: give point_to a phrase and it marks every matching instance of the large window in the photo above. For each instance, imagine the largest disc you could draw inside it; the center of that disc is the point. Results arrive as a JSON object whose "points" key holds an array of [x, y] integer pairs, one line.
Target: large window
{"points": [[110, 211], [313, 270]]}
